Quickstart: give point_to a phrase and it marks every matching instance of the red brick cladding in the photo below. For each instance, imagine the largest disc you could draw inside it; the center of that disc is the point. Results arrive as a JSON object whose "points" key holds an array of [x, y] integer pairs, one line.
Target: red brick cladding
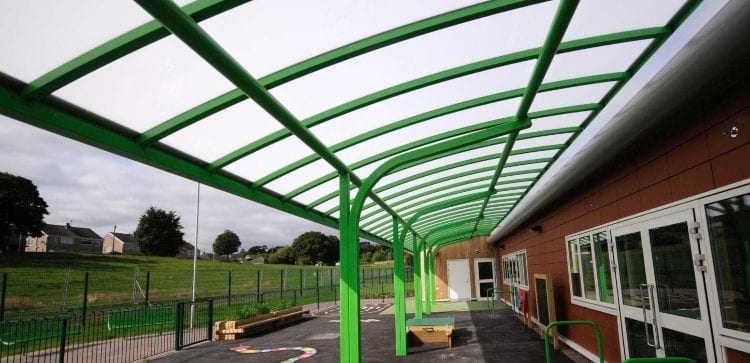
{"points": [[694, 155]]}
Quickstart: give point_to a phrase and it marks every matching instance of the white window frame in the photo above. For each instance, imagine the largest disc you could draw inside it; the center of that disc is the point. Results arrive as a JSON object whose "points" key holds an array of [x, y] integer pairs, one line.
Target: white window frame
{"points": [[595, 304], [515, 269]]}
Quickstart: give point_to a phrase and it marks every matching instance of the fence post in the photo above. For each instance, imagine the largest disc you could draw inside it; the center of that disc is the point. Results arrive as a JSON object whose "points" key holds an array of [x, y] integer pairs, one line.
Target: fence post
{"points": [[63, 333], [335, 297], [210, 327], [178, 325], [281, 289], [294, 297], [85, 297], [148, 282], [317, 286], [3, 290], [301, 281], [382, 293], [229, 287], [330, 275], [362, 282], [257, 285]]}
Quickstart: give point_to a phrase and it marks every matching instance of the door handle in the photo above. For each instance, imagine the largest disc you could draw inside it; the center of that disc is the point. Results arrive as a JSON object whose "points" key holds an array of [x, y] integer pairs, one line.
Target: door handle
{"points": [[644, 296], [657, 344], [649, 295]]}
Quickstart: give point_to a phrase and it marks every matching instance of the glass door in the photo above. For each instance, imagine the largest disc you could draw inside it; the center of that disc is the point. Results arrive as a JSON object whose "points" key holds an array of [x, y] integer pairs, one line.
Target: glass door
{"points": [[484, 270], [661, 289]]}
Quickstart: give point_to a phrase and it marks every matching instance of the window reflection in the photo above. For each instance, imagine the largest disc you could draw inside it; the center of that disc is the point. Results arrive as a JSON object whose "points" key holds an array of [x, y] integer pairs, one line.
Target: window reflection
{"points": [[729, 228]]}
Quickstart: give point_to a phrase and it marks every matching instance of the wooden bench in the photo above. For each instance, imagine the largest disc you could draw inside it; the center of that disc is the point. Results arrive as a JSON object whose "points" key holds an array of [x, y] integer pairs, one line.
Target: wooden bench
{"points": [[233, 329], [149, 316], [23, 332], [431, 330]]}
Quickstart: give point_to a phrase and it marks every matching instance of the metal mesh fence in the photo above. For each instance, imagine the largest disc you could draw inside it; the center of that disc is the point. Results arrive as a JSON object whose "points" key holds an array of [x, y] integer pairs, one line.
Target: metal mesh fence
{"points": [[80, 293]]}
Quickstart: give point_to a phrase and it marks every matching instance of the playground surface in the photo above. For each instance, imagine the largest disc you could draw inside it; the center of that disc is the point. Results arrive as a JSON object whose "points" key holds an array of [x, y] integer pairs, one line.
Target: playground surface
{"points": [[480, 336]]}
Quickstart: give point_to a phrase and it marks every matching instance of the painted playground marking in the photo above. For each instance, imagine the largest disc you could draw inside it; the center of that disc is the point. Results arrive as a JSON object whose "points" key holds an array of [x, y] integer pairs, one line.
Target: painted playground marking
{"points": [[308, 352], [362, 320]]}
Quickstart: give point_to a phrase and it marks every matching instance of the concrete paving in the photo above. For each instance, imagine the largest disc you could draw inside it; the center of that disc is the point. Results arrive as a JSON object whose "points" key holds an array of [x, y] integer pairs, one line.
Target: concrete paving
{"points": [[479, 337]]}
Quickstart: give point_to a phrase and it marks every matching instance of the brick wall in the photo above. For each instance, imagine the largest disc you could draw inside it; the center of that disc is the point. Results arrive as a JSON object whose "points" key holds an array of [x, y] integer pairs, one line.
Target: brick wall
{"points": [[691, 156]]}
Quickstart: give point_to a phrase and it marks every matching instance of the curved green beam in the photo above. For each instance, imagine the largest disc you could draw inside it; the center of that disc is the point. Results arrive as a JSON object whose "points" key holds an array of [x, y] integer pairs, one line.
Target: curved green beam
{"points": [[187, 30], [335, 56], [181, 121], [380, 228], [458, 236], [439, 112], [426, 186], [402, 206], [426, 224], [447, 135], [507, 195], [407, 206], [447, 226], [405, 209], [423, 174], [438, 206], [562, 19], [566, 130]]}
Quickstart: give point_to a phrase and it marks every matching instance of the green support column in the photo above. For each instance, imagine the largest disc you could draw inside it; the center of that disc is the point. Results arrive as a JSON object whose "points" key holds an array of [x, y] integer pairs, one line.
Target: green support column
{"points": [[349, 341], [399, 290], [433, 293], [417, 277], [428, 292]]}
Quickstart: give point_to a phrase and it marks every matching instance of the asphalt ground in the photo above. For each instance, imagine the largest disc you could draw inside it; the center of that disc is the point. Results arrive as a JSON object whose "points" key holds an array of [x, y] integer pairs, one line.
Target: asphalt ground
{"points": [[480, 336]]}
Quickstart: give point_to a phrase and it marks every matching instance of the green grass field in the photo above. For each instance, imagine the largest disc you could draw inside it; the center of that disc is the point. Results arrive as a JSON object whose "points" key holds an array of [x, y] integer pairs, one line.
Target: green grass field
{"points": [[41, 284]]}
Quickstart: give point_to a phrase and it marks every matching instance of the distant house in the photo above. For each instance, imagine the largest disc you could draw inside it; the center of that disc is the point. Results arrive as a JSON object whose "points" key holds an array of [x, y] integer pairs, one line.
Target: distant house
{"points": [[65, 238], [187, 249], [260, 260], [120, 243]]}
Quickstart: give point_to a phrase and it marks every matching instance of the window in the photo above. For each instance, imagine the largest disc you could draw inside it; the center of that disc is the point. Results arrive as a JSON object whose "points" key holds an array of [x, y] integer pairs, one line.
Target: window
{"points": [[514, 270], [589, 268], [728, 222]]}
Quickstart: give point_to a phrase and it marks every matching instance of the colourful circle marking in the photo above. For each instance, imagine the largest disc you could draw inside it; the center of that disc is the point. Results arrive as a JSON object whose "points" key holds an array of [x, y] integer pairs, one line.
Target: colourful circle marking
{"points": [[307, 351]]}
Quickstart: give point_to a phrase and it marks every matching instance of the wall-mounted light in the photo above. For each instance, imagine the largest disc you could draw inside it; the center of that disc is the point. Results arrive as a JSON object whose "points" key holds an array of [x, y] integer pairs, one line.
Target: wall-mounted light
{"points": [[733, 132], [536, 229]]}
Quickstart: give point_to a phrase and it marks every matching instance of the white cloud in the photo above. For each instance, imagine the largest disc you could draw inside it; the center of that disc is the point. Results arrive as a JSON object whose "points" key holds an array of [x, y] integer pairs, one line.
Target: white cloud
{"points": [[96, 189]]}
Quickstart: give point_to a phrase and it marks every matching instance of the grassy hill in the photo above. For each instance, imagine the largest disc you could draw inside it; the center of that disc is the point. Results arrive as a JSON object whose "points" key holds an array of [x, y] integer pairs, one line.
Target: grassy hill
{"points": [[49, 283]]}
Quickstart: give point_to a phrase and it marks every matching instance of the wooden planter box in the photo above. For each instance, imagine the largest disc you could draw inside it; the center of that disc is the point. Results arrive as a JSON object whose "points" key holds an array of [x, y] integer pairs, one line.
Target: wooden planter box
{"points": [[233, 329]]}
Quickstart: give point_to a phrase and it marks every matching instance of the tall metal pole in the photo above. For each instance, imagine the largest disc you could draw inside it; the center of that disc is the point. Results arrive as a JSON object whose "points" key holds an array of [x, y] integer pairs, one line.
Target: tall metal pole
{"points": [[195, 256]]}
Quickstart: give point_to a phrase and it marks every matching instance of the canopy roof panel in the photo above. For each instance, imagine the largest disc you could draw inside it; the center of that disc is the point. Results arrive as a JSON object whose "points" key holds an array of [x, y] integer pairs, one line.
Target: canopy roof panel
{"points": [[273, 100]]}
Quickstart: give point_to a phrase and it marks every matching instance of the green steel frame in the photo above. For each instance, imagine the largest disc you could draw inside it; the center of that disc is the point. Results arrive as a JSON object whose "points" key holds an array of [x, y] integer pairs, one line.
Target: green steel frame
{"points": [[440, 204]]}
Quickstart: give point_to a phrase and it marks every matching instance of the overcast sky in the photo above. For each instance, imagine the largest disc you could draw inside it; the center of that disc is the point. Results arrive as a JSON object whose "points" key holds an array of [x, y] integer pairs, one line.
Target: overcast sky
{"points": [[97, 189]]}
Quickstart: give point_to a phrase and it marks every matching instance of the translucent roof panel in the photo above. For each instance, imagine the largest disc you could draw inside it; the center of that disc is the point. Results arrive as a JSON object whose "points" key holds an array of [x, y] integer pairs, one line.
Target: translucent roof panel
{"points": [[46, 38], [266, 24], [612, 16], [264, 161], [436, 105], [224, 132], [416, 108], [522, 29], [163, 80]]}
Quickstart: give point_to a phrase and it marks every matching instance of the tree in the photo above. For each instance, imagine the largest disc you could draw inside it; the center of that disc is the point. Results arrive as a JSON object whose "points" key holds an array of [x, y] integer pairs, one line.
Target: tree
{"points": [[226, 243], [257, 250], [282, 255], [159, 233], [315, 247], [22, 210]]}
